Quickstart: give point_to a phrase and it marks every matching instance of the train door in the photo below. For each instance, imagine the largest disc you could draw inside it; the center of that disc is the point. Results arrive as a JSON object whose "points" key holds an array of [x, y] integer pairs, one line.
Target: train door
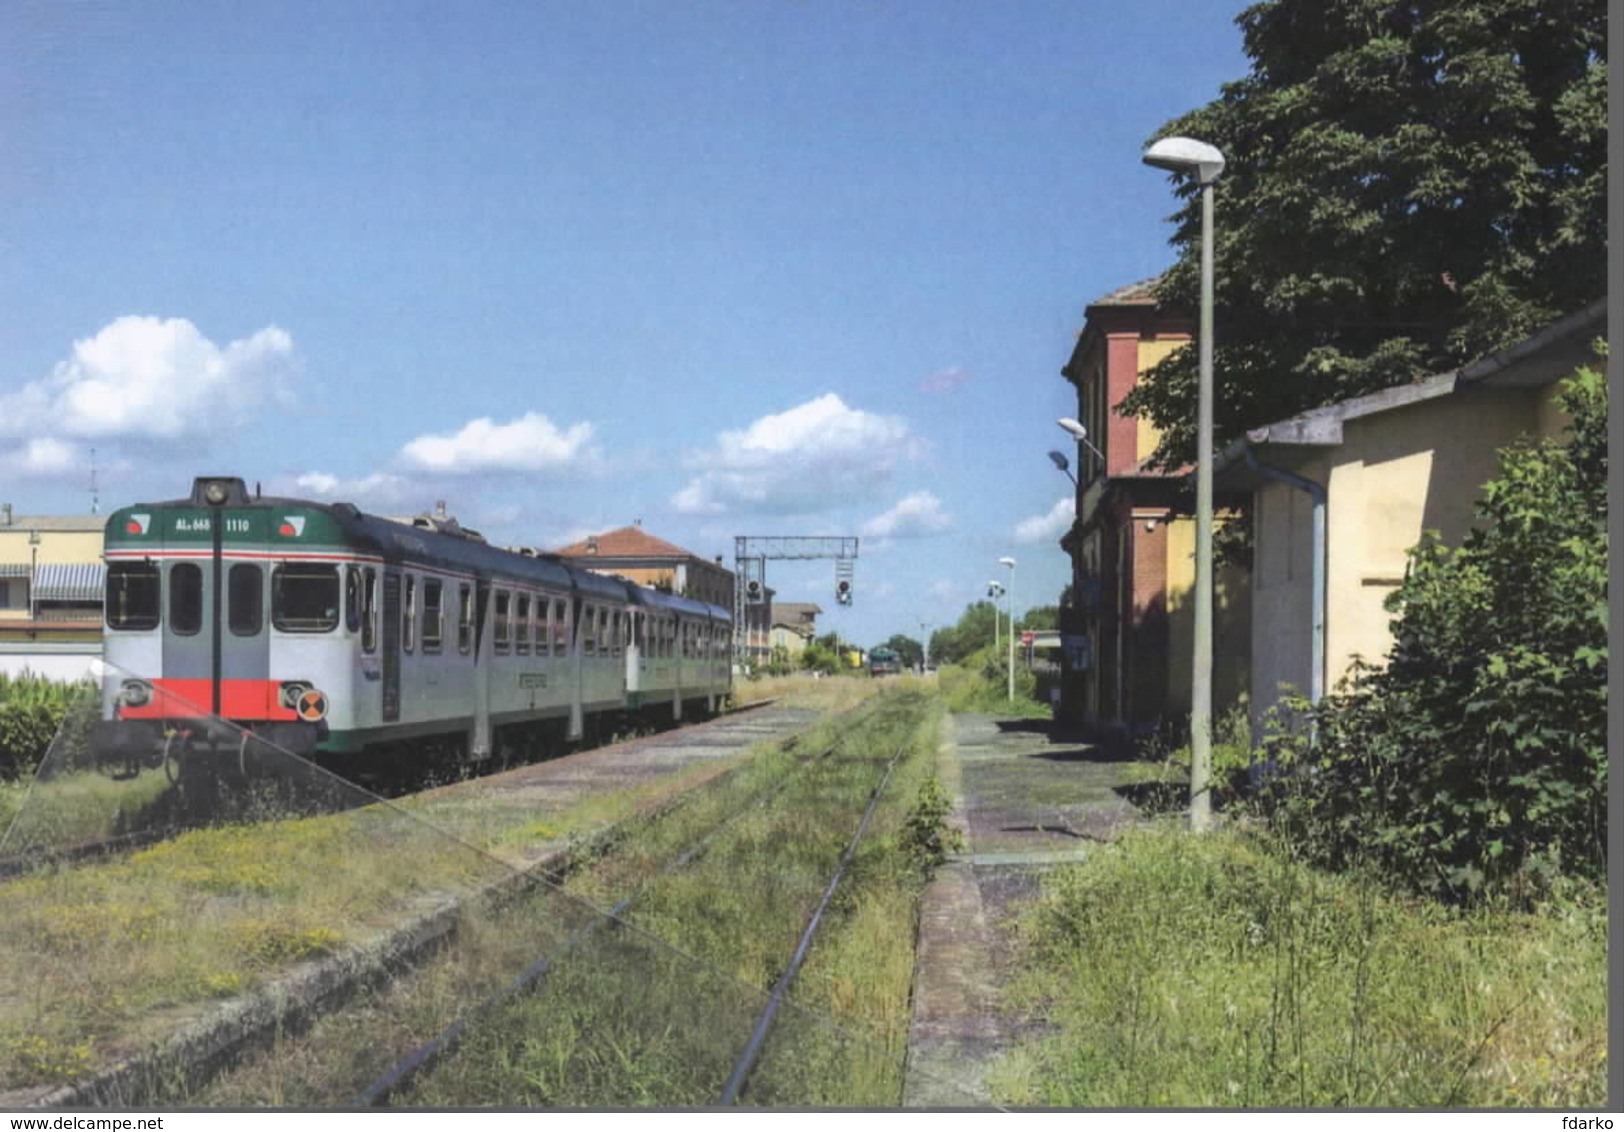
{"points": [[391, 646], [216, 653]]}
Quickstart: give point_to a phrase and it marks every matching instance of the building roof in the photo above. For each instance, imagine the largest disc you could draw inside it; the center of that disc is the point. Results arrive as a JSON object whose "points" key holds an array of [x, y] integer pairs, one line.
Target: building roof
{"points": [[625, 542], [1142, 293], [794, 612], [66, 523], [1541, 359]]}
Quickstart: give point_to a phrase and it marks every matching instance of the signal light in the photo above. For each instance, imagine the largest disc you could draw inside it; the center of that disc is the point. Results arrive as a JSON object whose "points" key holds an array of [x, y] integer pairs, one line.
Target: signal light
{"points": [[843, 592]]}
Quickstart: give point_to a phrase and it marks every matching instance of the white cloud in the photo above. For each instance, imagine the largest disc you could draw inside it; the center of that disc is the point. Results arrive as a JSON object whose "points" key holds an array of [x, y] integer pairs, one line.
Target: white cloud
{"points": [[806, 459], [914, 516], [155, 378], [43, 457], [1046, 528], [380, 491], [531, 443]]}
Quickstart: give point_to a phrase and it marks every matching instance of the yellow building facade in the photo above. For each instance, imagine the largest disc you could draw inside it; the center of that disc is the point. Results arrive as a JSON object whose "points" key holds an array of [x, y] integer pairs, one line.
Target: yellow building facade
{"points": [[1384, 469]]}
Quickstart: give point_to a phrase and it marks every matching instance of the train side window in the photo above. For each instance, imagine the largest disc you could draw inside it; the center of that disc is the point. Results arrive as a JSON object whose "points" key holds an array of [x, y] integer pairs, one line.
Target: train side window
{"points": [[185, 598], [352, 598], [369, 611], [433, 615], [245, 599], [589, 631], [408, 615], [465, 619], [544, 625], [561, 628], [603, 632], [521, 625], [501, 638], [304, 597], [616, 635], [132, 595]]}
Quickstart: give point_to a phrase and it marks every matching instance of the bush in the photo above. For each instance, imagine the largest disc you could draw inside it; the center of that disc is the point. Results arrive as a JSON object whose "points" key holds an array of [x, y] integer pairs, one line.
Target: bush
{"points": [[1475, 762], [31, 710]]}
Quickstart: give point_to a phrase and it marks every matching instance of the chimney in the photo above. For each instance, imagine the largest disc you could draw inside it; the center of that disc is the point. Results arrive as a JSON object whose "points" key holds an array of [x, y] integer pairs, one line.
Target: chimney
{"points": [[592, 544], [5, 510]]}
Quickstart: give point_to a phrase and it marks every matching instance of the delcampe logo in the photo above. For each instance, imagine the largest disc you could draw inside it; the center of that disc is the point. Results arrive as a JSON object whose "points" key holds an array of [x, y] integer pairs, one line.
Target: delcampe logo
{"points": [[138, 524], [292, 526]]}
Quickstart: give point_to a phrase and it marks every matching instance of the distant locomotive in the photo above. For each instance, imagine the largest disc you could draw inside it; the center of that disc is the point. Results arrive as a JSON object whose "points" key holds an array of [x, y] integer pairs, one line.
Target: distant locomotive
{"points": [[884, 661], [324, 631]]}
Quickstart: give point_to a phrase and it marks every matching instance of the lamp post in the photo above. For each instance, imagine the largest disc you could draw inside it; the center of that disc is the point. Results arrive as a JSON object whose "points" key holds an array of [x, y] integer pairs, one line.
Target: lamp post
{"points": [[1190, 157], [995, 590], [1010, 593]]}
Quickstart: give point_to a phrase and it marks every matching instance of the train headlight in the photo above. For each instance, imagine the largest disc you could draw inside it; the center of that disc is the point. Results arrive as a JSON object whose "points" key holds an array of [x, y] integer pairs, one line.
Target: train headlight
{"points": [[215, 492], [291, 691], [135, 693]]}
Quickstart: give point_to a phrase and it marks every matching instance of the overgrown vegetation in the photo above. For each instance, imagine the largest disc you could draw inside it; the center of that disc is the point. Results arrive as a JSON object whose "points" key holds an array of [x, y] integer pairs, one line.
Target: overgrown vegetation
{"points": [[980, 684], [1475, 763], [31, 709], [1219, 971]]}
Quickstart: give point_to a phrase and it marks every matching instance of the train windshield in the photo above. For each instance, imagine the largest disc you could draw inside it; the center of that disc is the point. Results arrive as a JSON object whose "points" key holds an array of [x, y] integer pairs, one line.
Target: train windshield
{"points": [[132, 595], [304, 598]]}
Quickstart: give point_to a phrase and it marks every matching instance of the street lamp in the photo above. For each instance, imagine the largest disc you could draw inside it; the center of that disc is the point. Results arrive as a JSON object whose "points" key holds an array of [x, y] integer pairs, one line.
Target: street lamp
{"points": [[1059, 460], [995, 590], [1188, 157], [1010, 591], [1080, 435]]}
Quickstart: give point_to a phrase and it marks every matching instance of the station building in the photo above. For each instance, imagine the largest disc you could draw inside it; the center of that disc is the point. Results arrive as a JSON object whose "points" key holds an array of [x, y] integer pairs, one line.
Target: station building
{"points": [[51, 582]]}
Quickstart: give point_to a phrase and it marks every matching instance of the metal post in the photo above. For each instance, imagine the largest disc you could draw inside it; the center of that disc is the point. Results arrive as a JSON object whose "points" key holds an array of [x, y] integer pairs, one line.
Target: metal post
{"points": [[1010, 593], [1201, 673]]}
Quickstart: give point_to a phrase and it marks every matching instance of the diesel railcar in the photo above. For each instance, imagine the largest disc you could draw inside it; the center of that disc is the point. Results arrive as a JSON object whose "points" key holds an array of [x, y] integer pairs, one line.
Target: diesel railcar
{"points": [[328, 632]]}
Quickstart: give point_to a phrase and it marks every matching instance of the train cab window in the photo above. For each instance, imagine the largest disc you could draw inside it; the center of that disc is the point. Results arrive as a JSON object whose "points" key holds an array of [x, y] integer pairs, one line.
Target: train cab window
{"points": [[561, 628], [369, 611], [132, 595], [465, 619], [352, 598], [304, 597], [521, 625], [433, 616], [408, 615], [245, 599], [501, 639], [185, 598]]}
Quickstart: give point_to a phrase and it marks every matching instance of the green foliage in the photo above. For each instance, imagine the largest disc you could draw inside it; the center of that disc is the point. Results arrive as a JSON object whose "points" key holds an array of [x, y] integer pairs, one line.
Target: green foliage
{"points": [[908, 650], [927, 838], [819, 657], [1408, 186], [31, 710], [980, 684], [1217, 972], [973, 631], [1475, 763]]}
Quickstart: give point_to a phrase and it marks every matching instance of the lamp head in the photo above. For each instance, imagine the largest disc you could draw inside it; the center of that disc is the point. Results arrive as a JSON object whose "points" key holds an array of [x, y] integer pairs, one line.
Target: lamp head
{"points": [[1059, 460], [1075, 428], [1010, 562], [1186, 155]]}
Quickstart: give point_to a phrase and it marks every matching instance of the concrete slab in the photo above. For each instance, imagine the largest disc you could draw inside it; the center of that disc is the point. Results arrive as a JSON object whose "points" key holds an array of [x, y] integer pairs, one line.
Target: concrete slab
{"points": [[1026, 803]]}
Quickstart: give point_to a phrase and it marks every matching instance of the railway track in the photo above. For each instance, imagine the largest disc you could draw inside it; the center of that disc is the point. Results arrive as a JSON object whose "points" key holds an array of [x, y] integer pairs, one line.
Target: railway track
{"points": [[219, 1039], [28, 844]]}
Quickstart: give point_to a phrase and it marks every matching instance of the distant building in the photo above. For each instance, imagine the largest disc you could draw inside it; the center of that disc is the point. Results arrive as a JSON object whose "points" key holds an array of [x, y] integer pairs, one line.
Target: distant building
{"points": [[794, 624], [51, 583], [633, 553], [1127, 623]]}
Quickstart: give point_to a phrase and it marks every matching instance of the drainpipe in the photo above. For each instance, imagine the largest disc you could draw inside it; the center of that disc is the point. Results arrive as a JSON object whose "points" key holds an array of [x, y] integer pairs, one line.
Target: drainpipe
{"points": [[1316, 492]]}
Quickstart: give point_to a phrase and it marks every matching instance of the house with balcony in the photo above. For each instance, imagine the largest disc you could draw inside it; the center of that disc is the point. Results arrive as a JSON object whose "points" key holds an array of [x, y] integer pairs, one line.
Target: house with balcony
{"points": [[1126, 620]]}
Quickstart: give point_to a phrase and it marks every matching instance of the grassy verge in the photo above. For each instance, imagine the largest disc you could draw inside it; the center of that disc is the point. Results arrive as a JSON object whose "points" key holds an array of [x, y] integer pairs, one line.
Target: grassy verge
{"points": [[656, 1010], [104, 958], [1214, 971]]}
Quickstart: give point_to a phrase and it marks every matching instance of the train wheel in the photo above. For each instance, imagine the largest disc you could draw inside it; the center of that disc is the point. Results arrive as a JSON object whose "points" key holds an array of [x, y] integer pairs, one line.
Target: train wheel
{"points": [[174, 751]]}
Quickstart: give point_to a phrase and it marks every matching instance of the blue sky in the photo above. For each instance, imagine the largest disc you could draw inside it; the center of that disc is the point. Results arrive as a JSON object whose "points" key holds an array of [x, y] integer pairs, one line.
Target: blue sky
{"points": [[767, 268]]}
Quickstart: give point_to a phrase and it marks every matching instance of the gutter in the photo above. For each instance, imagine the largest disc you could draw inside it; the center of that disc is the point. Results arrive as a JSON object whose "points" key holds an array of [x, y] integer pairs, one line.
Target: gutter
{"points": [[1316, 492]]}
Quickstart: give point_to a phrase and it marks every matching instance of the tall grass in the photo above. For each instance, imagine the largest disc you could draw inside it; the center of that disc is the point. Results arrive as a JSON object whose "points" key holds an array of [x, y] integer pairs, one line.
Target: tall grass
{"points": [[1217, 971]]}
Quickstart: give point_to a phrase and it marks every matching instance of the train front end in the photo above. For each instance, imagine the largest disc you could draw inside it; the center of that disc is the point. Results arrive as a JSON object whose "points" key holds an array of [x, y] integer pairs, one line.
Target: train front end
{"points": [[221, 606]]}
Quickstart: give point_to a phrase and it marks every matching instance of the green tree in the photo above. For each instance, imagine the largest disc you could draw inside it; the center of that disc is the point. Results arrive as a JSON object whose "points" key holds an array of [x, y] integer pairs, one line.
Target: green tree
{"points": [[910, 651], [1410, 184], [1039, 617], [818, 656], [1477, 759], [974, 630]]}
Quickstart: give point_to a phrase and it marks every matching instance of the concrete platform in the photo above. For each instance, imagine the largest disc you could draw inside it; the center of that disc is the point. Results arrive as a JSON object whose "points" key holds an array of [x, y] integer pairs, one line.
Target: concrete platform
{"points": [[1026, 803]]}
